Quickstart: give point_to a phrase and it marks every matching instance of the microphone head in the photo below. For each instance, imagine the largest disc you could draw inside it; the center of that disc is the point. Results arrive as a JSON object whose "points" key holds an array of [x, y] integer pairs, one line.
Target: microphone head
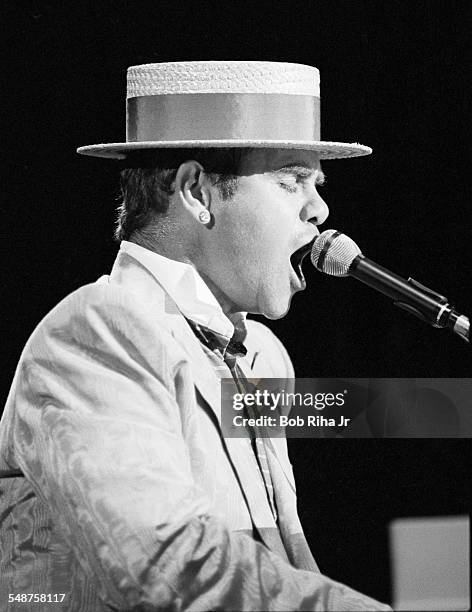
{"points": [[333, 253]]}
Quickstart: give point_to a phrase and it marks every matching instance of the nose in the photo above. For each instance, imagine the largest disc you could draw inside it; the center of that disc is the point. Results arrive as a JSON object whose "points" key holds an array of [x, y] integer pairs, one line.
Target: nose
{"points": [[315, 210]]}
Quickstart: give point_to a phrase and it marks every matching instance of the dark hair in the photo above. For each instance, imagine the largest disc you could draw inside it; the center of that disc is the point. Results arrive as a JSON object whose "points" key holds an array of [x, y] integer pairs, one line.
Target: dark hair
{"points": [[146, 181]]}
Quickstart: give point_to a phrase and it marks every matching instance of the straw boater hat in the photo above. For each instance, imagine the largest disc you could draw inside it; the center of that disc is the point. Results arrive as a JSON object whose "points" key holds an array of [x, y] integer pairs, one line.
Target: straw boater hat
{"points": [[224, 104]]}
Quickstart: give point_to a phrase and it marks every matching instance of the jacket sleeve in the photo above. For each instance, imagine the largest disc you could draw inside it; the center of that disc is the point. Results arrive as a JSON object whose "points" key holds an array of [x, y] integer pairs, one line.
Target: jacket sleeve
{"points": [[98, 433]]}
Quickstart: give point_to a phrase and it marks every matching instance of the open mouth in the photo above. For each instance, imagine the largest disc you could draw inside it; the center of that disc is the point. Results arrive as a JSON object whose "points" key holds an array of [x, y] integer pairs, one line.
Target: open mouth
{"points": [[296, 258]]}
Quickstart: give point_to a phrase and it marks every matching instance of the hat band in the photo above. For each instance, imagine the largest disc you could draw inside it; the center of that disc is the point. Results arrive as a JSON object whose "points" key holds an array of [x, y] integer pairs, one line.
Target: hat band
{"points": [[223, 116]]}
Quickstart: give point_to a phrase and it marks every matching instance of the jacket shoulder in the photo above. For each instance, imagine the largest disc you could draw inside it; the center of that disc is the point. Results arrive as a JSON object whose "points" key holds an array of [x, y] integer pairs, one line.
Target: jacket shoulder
{"points": [[105, 314]]}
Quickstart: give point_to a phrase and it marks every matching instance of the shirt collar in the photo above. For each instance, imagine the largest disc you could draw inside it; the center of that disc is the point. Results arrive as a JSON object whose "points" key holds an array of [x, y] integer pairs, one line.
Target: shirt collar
{"points": [[188, 290]]}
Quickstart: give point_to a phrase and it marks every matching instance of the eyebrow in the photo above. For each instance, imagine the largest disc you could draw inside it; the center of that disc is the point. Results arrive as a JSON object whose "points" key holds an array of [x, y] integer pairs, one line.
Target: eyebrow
{"points": [[302, 168]]}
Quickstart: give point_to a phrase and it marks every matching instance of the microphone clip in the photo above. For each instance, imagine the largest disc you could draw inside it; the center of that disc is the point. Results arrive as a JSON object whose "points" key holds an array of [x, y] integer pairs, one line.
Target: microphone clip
{"points": [[438, 319]]}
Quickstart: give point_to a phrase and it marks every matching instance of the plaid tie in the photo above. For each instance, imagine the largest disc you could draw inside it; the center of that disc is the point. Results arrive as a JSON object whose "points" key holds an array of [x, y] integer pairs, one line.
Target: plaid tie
{"points": [[229, 352]]}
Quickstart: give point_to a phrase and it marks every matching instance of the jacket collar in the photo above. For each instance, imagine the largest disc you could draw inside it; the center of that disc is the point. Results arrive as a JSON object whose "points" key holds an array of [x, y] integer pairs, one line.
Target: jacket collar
{"points": [[146, 282], [186, 287]]}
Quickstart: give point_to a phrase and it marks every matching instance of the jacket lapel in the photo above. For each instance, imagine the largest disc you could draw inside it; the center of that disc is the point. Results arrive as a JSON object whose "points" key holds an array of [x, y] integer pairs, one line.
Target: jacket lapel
{"points": [[208, 383]]}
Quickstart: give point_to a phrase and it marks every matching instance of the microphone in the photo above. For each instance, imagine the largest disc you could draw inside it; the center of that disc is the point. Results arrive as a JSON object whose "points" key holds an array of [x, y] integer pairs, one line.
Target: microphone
{"points": [[336, 254]]}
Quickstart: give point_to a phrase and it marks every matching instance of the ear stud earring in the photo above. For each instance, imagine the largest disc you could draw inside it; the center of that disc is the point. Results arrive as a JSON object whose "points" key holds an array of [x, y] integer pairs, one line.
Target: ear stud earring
{"points": [[204, 216]]}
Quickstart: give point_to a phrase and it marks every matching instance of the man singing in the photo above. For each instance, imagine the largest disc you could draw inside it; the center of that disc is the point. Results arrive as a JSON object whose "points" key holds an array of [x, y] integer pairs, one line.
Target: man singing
{"points": [[119, 489]]}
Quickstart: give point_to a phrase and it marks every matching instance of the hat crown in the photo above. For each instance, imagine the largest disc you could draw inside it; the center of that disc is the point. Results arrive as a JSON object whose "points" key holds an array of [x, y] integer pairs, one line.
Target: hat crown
{"points": [[222, 77], [224, 104]]}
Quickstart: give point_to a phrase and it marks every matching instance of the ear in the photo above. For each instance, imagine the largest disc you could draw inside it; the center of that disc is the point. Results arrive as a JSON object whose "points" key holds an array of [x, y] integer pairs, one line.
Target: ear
{"points": [[191, 188]]}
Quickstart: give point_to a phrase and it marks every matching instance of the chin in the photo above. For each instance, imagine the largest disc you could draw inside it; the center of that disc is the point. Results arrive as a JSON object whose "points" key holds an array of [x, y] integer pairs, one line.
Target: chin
{"points": [[277, 309]]}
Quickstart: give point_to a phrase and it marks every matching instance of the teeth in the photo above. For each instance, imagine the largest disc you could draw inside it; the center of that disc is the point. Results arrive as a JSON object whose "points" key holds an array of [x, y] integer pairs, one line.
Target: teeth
{"points": [[300, 273]]}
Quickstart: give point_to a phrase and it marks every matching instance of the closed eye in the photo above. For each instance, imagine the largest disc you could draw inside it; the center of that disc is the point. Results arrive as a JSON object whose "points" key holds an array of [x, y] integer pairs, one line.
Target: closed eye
{"points": [[302, 172], [290, 177]]}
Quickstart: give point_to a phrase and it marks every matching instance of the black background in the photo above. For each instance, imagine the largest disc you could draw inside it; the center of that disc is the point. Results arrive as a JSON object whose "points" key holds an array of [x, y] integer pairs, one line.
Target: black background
{"points": [[394, 76]]}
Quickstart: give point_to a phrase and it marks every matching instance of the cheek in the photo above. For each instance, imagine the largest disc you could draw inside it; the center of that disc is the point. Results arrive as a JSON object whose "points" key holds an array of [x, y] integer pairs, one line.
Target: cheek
{"points": [[254, 220], [253, 233], [238, 228], [259, 244]]}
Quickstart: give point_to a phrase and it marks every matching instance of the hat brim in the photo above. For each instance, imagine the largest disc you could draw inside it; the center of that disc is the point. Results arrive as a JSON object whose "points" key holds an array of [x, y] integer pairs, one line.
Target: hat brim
{"points": [[326, 150]]}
